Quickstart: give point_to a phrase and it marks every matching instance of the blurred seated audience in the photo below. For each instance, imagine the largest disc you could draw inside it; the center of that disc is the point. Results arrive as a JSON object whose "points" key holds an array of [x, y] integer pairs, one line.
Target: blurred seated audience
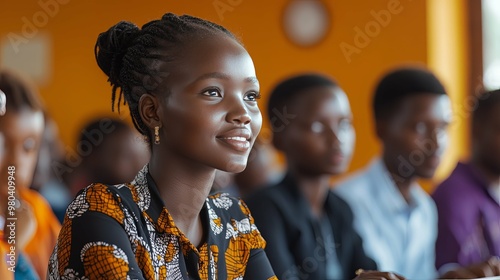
{"points": [[395, 217], [308, 229], [468, 201], [47, 179], [108, 151], [22, 127]]}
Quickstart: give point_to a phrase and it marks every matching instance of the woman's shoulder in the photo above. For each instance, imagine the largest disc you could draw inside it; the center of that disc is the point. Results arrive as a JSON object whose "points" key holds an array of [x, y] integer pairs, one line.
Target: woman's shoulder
{"points": [[117, 191], [101, 198], [224, 202], [231, 217], [227, 207]]}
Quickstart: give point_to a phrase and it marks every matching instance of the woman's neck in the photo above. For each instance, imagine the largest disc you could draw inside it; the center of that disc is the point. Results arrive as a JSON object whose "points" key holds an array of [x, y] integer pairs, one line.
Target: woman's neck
{"points": [[315, 190], [183, 187]]}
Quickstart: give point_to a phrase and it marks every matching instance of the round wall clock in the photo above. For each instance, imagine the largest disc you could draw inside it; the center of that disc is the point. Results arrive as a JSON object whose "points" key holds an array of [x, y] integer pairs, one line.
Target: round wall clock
{"points": [[306, 22]]}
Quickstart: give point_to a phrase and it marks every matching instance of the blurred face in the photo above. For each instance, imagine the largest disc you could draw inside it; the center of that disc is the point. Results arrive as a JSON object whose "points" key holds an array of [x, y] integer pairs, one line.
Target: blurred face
{"points": [[210, 115], [3, 103], [50, 150], [2, 149], [415, 136], [22, 133], [118, 159], [486, 139], [320, 140]]}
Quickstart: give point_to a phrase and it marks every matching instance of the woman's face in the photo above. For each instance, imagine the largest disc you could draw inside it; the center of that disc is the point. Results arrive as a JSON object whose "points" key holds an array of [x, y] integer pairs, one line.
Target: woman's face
{"points": [[210, 115], [2, 149], [22, 133], [3, 103]]}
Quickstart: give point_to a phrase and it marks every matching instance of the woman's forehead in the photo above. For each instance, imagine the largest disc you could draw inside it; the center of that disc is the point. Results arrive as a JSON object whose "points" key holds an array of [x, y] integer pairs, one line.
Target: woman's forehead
{"points": [[21, 120], [3, 103], [217, 59]]}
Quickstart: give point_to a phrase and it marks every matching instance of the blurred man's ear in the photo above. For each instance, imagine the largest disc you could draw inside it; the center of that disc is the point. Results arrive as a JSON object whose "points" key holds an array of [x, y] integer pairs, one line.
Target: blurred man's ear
{"points": [[381, 128]]}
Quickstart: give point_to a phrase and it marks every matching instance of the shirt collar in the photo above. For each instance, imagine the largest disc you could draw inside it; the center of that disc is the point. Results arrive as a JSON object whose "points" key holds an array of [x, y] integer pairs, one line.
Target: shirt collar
{"points": [[148, 198], [389, 192]]}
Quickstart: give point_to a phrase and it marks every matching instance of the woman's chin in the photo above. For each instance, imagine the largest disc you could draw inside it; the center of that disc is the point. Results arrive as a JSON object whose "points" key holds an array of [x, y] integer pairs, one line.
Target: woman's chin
{"points": [[234, 166]]}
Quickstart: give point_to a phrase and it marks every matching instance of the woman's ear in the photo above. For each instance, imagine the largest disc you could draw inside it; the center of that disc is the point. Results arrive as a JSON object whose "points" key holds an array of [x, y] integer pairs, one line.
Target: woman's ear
{"points": [[149, 109]]}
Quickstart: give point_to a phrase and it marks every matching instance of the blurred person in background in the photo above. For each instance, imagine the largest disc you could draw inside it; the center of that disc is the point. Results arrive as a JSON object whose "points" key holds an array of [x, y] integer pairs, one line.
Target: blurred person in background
{"points": [[395, 217], [22, 128], [468, 201], [47, 179], [307, 227], [110, 151]]}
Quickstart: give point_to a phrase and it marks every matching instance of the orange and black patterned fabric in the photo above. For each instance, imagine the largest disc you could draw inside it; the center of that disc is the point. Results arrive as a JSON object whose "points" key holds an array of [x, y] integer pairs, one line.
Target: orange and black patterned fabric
{"points": [[125, 232]]}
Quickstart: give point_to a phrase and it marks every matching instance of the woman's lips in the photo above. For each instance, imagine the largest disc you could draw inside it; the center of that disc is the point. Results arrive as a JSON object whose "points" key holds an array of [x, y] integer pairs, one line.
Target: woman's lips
{"points": [[238, 143], [237, 138]]}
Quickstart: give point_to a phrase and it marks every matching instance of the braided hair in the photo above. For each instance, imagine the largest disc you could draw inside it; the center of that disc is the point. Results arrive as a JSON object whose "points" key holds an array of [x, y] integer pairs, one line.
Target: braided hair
{"points": [[131, 57]]}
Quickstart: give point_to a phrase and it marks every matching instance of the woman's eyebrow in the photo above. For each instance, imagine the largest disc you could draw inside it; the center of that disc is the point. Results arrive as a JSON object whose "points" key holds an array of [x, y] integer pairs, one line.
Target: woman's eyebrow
{"points": [[222, 76]]}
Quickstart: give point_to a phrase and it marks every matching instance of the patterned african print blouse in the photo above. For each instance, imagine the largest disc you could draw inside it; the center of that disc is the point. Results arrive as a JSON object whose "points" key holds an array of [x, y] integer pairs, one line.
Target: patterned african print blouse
{"points": [[125, 232]]}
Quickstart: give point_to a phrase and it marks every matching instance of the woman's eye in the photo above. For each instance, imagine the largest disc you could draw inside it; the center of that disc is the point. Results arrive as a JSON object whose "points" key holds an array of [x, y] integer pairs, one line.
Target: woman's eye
{"points": [[212, 92], [29, 144], [252, 96]]}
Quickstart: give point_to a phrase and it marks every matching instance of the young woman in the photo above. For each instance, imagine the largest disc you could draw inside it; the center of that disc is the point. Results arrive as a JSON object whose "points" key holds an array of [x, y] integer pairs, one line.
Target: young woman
{"points": [[192, 92], [36, 227]]}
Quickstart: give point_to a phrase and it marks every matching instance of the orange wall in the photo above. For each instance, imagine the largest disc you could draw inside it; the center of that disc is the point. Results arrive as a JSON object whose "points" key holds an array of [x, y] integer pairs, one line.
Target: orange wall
{"points": [[448, 45], [78, 89]]}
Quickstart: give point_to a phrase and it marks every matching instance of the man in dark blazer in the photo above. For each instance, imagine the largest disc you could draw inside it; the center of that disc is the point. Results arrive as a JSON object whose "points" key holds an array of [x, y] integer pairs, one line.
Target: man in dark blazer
{"points": [[309, 229]]}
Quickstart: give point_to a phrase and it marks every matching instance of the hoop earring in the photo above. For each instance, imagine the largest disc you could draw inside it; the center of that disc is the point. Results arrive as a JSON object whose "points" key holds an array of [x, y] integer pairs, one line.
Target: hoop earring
{"points": [[157, 135]]}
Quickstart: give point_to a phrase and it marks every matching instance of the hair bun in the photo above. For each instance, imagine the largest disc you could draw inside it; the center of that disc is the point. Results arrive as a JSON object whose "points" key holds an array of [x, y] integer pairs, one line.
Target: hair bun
{"points": [[111, 47]]}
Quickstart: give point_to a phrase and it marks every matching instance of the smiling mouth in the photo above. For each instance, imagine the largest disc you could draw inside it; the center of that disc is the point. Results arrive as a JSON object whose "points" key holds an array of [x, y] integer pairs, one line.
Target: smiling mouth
{"points": [[237, 143]]}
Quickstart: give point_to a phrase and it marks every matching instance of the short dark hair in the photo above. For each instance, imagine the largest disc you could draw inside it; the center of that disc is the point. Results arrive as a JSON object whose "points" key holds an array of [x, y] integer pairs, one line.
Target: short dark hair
{"points": [[401, 83], [112, 124], [288, 89], [485, 103], [128, 55], [19, 93]]}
